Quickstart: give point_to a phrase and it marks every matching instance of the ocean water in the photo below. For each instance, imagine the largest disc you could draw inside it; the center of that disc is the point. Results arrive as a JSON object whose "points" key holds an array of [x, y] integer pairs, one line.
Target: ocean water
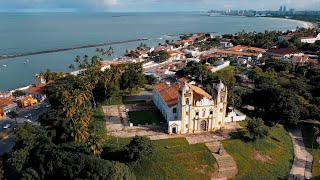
{"points": [[31, 32]]}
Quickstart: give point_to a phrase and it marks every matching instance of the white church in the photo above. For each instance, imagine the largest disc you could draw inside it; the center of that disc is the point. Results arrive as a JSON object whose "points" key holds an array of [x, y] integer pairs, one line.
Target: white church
{"points": [[189, 109]]}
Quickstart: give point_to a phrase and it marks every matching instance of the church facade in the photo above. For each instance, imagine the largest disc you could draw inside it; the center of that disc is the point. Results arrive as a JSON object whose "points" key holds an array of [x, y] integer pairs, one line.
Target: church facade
{"points": [[189, 109]]}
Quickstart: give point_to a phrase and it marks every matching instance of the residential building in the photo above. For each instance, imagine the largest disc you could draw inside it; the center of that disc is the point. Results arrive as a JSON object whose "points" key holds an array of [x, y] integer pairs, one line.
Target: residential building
{"points": [[305, 38], [6, 106], [107, 64], [36, 91], [284, 52], [26, 101], [221, 65], [5, 94], [241, 48], [225, 44], [236, 54], [189, 109]]}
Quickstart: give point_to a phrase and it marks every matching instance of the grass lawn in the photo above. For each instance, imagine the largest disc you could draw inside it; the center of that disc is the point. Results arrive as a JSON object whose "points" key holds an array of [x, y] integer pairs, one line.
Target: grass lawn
{"points": [[232, 69], [180, 161], [120, 100], [315, 152], [98, 123], [143, 117], [268, 158]]}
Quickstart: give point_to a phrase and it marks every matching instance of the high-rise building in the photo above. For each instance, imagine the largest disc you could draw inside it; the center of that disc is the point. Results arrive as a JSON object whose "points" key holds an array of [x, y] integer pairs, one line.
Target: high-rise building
{"points": [[291, 11], [280, 10], [284, 8]]}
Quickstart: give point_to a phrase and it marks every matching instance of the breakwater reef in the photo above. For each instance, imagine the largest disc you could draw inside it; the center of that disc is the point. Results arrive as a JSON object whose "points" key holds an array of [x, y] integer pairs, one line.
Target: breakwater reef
{"points": [[72, 48]]}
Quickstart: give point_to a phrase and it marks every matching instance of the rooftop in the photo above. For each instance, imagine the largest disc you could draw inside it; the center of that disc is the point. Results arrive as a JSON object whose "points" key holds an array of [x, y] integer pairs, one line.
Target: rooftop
{"points": [[170, 92], [284, 51], [237, 53], [5, 102]]}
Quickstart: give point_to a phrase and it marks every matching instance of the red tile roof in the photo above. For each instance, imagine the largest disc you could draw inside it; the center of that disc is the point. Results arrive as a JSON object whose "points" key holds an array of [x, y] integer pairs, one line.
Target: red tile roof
{"points": [[284, 51], [4, 102], [39, 89], [169, 93]]}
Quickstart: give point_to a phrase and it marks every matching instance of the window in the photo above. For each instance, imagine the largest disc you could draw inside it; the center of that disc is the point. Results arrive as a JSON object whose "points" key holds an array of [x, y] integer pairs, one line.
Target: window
{"points": [[211, 112], [174, 110], [204, 113], [197, 113], [187, 101], [220, 109]]}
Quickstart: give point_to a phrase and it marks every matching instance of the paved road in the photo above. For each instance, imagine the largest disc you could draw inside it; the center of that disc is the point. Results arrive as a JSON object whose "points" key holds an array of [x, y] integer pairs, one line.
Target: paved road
{"points": [[35, 113], [6, 145]]}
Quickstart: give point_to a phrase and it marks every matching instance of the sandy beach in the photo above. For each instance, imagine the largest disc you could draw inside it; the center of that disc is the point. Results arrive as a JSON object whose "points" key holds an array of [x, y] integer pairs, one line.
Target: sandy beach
{"points": [[306, 24]]}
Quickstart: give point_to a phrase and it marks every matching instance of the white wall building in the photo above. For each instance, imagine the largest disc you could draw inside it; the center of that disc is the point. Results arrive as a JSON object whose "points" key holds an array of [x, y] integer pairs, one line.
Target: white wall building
{"points": [[189, 109]]}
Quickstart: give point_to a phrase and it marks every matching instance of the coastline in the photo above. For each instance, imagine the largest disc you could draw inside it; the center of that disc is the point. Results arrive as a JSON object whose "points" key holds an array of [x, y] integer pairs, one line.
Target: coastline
{"points": [[6, 57], [306, 24]]}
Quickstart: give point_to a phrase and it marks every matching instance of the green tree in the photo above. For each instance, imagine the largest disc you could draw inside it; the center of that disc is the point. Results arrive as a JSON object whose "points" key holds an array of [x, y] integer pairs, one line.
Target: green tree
{"points": [[27, 137], [151, 79], [93, 145], [257, 129], [13, 115], [1, 169], [57, 125], [316, 132], [18, 93], [139, 149]]}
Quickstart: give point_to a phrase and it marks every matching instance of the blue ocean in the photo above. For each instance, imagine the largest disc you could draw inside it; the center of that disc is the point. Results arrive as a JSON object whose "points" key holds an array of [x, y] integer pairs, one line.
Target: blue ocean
{"points": [[32, 32]]}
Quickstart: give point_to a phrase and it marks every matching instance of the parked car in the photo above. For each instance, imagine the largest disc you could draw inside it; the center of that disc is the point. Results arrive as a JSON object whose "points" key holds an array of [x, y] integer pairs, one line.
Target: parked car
{"points": [[28, 121], [36, 108], [48, 105], [6, 126], [27, 116]]}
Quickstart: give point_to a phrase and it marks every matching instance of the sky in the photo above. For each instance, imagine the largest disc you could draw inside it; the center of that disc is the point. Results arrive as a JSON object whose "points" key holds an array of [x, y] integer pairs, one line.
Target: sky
{"points": [[151, 5]]}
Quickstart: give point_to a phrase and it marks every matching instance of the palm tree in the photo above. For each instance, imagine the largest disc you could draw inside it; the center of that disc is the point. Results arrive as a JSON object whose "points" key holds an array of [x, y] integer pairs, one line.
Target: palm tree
{"points": [[316, 132], [79, 133], [13, 115], [93, 145], [106, 78], [71, 67]]}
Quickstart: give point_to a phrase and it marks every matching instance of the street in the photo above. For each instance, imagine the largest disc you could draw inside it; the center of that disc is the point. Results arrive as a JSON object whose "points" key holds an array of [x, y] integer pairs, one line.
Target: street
{"points": [[7, 144]]}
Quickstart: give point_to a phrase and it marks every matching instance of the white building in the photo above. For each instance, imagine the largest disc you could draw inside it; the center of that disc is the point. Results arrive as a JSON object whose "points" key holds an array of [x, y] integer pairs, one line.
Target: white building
{"points": [[225, 44], [189, 109], [223, 65], [304, 38]]}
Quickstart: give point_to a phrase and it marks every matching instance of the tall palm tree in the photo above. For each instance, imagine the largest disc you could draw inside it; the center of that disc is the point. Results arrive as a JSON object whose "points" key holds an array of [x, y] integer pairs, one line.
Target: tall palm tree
{"points": [[13, 115], [93, 145], [106, 78]]}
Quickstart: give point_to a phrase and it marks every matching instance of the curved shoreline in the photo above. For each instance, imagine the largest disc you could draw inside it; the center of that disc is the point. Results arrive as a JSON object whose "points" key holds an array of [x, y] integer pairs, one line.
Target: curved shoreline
{"points": [[306, 24]]}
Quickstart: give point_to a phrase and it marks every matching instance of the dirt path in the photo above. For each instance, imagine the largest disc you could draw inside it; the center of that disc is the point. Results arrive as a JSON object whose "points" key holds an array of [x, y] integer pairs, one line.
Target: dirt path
{"points": [[227, 167], [301, 167]]}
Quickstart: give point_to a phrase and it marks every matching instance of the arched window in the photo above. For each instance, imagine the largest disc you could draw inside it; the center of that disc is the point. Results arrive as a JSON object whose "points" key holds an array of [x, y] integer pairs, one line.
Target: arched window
{"points": [[204, 113], [174, 110]]}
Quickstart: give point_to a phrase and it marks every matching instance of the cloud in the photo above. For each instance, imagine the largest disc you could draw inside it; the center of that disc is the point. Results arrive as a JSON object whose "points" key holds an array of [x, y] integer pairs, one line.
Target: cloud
{"points": [[157, 5]]}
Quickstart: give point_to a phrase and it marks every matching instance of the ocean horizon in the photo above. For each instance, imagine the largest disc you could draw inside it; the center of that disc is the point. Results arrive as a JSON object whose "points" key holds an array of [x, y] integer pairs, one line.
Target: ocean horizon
{"points": [[32, 32]]}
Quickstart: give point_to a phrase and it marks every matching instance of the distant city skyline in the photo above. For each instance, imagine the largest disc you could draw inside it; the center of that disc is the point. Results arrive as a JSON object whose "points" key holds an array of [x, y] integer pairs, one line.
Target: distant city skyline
{"points": [[152, 5]]}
